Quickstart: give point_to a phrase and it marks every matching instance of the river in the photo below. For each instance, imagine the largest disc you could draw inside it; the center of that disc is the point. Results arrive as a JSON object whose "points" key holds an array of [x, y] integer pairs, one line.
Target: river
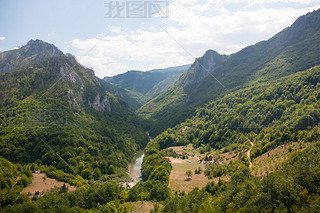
{"points": [[135, 168]]}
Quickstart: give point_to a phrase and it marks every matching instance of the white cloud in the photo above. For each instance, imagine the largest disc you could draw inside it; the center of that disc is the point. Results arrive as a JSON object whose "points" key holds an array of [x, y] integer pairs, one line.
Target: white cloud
{"points": [[102, 66], [115, 29], [193, 27], [2, 38]]}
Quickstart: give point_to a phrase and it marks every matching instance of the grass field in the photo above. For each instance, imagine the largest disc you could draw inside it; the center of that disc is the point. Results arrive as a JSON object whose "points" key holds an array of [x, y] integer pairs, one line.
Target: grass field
{"points": [[178, 180], [42, 184], [261, 165], [139, 206]]}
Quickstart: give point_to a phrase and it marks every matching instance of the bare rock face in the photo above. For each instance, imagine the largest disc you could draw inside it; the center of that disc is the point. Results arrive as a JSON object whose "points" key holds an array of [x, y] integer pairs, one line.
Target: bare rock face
{"points": [[101, 103], [75, 99], [75, 95], [201, 68], [70, 75]]}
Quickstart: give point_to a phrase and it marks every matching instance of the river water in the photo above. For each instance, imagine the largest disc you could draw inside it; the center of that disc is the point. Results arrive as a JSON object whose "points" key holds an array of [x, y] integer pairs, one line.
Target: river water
{"points": [[135, 168]]}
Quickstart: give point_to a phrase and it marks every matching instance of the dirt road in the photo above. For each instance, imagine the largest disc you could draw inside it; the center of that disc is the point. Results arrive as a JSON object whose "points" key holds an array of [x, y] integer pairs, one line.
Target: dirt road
{"points": [[248, 154]]}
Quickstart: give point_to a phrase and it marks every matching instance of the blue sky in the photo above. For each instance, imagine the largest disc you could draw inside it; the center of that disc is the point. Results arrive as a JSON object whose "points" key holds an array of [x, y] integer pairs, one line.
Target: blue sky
{"points": [[111, 45]]}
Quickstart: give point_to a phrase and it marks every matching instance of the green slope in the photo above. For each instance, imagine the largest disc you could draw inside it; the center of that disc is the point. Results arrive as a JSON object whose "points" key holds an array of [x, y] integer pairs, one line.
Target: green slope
{"points": [[138, 87], [269, 113], [120, 93], [57, 108], [292, 50]]}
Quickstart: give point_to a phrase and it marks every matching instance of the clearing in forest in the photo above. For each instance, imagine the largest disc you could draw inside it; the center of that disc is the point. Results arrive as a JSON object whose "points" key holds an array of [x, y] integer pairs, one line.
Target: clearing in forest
{"points": [[42, 184], [177, 180]]}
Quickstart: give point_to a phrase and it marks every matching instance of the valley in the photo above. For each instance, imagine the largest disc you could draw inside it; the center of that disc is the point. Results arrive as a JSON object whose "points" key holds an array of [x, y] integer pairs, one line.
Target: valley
{"points": [[135, 169], [228, 133]]}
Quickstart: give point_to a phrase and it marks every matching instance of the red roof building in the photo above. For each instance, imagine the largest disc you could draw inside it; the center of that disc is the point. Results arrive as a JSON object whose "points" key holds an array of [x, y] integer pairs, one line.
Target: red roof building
{"points": [[210, 157]]}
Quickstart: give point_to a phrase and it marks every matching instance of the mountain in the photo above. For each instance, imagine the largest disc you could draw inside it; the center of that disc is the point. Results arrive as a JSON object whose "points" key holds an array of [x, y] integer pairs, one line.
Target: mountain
{"points": [[292, 50], [268, 110], [33, 51], [201, 68], [142, 86], [57, 116], [120, 93], [272, 127], [165, 106]]}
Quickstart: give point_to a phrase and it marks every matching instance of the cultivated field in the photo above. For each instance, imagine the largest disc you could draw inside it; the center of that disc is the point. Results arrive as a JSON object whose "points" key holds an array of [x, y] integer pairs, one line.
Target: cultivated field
{"points": [[268, 162]]}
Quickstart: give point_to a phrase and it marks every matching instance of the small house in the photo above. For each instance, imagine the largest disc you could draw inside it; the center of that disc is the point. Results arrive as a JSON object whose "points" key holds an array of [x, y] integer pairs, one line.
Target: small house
{"points": [[210, 157]]}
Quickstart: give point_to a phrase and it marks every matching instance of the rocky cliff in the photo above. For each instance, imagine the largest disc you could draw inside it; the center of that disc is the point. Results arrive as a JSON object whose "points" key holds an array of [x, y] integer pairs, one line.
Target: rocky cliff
{"points": [[34, 51]]}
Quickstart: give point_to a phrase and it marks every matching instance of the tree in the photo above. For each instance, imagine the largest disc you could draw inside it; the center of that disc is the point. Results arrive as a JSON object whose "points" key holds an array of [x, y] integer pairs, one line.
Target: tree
{"points": [[161, 174], [96, 173], [189, 174], [111, 170], [63, 188], [198, 171], [86, 174]]}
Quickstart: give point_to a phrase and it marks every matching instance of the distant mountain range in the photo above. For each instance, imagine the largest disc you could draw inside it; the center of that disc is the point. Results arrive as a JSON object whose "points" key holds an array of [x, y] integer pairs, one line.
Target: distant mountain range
{"points": [[138, 87]]}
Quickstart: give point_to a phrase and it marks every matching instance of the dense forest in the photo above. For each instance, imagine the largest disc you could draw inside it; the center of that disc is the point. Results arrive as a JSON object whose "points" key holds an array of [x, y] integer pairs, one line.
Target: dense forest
{"points": [[270, 114], [67, 139]]}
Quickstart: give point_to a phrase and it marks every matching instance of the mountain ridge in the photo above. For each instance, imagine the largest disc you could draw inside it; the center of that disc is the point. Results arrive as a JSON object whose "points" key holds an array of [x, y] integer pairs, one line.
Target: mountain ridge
{"points": [[289, 51], [138, 87], [34, 51], [58, 103]]}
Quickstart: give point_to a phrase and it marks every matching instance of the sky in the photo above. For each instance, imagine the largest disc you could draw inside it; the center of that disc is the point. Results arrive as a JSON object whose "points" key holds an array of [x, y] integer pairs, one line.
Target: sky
{"points": [[112, 37]]}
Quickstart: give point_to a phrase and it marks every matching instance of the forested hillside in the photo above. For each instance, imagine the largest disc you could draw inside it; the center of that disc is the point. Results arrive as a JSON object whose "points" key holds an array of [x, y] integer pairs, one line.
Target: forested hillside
{"points": [[293, 187], [138, 87], [269, 114], [292, 50], [55, 115]]}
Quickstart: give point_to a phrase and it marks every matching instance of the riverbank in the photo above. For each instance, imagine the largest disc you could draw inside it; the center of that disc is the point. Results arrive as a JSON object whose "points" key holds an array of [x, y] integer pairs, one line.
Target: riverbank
{"points": [[134, 169]]}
